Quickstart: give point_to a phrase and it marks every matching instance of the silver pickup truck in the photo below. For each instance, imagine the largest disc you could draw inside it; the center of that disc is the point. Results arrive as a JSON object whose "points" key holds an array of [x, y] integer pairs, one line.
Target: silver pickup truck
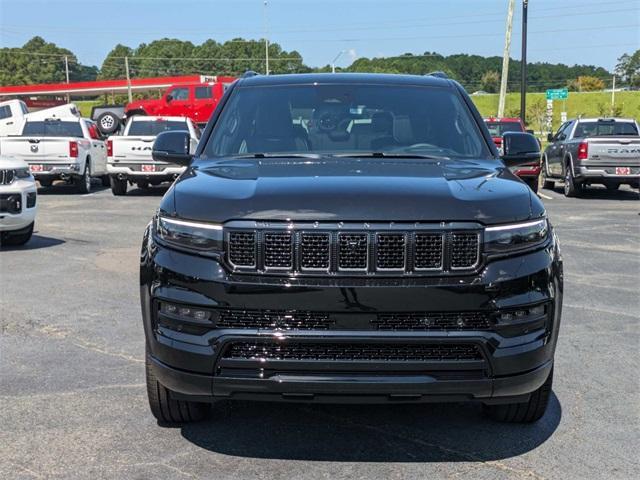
{"points": [[593, 150]]}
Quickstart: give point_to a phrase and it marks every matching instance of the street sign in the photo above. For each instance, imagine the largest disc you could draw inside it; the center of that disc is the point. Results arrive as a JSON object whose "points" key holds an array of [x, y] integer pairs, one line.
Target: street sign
{"points": [[557, 94]]}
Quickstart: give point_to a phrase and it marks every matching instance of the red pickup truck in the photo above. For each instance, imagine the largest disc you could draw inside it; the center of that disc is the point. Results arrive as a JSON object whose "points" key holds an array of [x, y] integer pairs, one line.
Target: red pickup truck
{"points": [[497, 127], [196, 101]]}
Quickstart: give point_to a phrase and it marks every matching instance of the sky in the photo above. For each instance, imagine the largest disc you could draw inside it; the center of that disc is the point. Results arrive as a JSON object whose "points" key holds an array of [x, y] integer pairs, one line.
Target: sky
{"points": [[588, 32]]}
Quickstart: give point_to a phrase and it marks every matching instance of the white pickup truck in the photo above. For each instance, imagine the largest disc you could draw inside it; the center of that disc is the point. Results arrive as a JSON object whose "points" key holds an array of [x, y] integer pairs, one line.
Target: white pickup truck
{"points": [[129, 154], [59, 145], [12, 113]]}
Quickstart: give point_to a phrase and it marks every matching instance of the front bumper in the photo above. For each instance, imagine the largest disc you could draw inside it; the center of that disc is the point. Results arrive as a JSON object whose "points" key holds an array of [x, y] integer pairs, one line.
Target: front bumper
{"points": [[20, 191], [511, 364]]}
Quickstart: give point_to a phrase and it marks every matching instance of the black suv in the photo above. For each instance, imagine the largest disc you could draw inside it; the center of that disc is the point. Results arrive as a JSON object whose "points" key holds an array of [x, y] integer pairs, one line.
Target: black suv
{"points": [[349, 238]]}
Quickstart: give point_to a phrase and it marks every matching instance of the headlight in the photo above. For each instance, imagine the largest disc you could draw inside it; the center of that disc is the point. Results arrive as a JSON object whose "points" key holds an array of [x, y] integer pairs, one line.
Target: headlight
{"points": [[517, 236], [22, 173], [203, 237]]}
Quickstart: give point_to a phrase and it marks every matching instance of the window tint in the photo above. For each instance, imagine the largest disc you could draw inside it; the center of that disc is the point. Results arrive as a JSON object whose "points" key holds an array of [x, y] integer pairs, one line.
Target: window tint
{"points": [[53, 128], [604, 128], [179, 94], [5, 112], [347, 118], [156, 126], [497, 129], [203, 92]]}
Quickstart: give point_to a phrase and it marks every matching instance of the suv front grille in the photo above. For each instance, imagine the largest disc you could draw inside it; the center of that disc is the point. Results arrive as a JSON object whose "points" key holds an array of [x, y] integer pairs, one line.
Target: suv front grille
{"points": [[352, 252], [268, 350], [7, 177]]}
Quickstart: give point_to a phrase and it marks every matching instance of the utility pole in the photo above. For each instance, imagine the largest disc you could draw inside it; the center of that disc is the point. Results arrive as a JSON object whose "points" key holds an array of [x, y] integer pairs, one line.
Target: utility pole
{"points": [[126, 69], [523, 66], [66, 70], [613, 95], [505, 60], [266, 39]]}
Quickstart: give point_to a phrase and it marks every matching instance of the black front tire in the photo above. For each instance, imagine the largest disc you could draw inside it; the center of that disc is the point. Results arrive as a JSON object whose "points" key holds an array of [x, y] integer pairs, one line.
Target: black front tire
{"points": [[15, 240], [83, 183], [526, 412], [167, 410], [544, 180], [118, 187], [571, 187]]}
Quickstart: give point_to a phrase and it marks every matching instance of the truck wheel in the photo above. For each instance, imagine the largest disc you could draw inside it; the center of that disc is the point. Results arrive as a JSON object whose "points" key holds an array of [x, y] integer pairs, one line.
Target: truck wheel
{"points": [[612, 187], [106, 180], [526, 412], [118, 187], [167, 410], [571, 187], [14, 240], [544, 181], [108, 122], [83, 182]]}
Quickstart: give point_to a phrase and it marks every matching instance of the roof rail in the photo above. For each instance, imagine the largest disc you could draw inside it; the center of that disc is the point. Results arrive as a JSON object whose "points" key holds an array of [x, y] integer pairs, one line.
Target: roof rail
{"points": [[439, 74], [249, 73]]}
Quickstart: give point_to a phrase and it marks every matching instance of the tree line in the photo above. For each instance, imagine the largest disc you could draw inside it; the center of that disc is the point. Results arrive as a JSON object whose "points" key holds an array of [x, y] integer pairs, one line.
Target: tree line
{"points": [[38, 61]]}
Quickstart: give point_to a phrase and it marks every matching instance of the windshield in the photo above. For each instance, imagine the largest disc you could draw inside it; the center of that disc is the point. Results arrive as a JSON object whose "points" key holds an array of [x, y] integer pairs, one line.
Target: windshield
{"points": [[53, 128], [602, 129], [346, 118], [154, 127], [497, 129]]}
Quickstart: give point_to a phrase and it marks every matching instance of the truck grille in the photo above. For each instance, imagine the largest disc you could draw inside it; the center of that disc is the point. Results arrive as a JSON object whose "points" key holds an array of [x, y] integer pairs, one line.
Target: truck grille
{"points": [[274, 319], [432, 321], [268, 350], [352, 252], [7, 177]]}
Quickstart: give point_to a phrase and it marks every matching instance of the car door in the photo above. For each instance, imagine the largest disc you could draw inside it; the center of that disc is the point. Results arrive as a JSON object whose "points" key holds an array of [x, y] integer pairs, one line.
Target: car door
{"points": [[98, 150], [179, 102], [554, 150], [203, 103]]}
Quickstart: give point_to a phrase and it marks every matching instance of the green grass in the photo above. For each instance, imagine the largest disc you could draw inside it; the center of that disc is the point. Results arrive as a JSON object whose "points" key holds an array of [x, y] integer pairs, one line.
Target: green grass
{"points": [[587, 104]]}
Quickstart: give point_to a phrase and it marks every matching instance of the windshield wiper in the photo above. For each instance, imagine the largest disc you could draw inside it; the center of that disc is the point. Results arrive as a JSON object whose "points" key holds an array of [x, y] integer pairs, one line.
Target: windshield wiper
{"points": [[388, 155]]}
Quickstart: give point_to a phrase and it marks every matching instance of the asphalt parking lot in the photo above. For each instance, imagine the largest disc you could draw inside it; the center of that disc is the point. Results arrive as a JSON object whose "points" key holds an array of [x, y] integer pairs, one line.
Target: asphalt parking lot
{"points": [[73, 400]]}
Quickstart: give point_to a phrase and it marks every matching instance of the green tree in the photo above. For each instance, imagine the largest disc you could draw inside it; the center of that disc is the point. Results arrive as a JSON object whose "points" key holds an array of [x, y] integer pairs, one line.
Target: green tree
{"points": [[490, 81], [113, 66], [628, 68]]}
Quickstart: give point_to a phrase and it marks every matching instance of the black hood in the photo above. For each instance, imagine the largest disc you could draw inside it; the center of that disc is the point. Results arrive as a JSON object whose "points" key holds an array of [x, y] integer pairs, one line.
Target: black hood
{"points": [[378, 189]]}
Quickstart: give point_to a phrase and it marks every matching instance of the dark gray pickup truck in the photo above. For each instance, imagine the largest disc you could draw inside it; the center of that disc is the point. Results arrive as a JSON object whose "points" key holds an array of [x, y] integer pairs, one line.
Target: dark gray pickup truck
{"points": [[593, 150]]}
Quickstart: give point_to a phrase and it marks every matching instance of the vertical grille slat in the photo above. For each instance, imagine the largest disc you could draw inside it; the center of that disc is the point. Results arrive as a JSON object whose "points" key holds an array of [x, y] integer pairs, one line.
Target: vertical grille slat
{"points": [[464, 250], [242, 249], [391, 251], [315, 251], [278, 250], [428, 251], [7, 177], [353, 251]]}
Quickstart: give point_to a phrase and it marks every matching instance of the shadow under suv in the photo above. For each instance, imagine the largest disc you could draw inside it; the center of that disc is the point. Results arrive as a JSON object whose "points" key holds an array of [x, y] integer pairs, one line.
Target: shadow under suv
{"points": [[349, 238]]}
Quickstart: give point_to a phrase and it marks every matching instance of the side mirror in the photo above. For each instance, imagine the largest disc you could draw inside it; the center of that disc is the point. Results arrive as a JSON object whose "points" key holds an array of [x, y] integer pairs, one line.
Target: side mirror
{"points": [[549, 137], [169, 98], [530, 131], [172, 147], [519, 149]]}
